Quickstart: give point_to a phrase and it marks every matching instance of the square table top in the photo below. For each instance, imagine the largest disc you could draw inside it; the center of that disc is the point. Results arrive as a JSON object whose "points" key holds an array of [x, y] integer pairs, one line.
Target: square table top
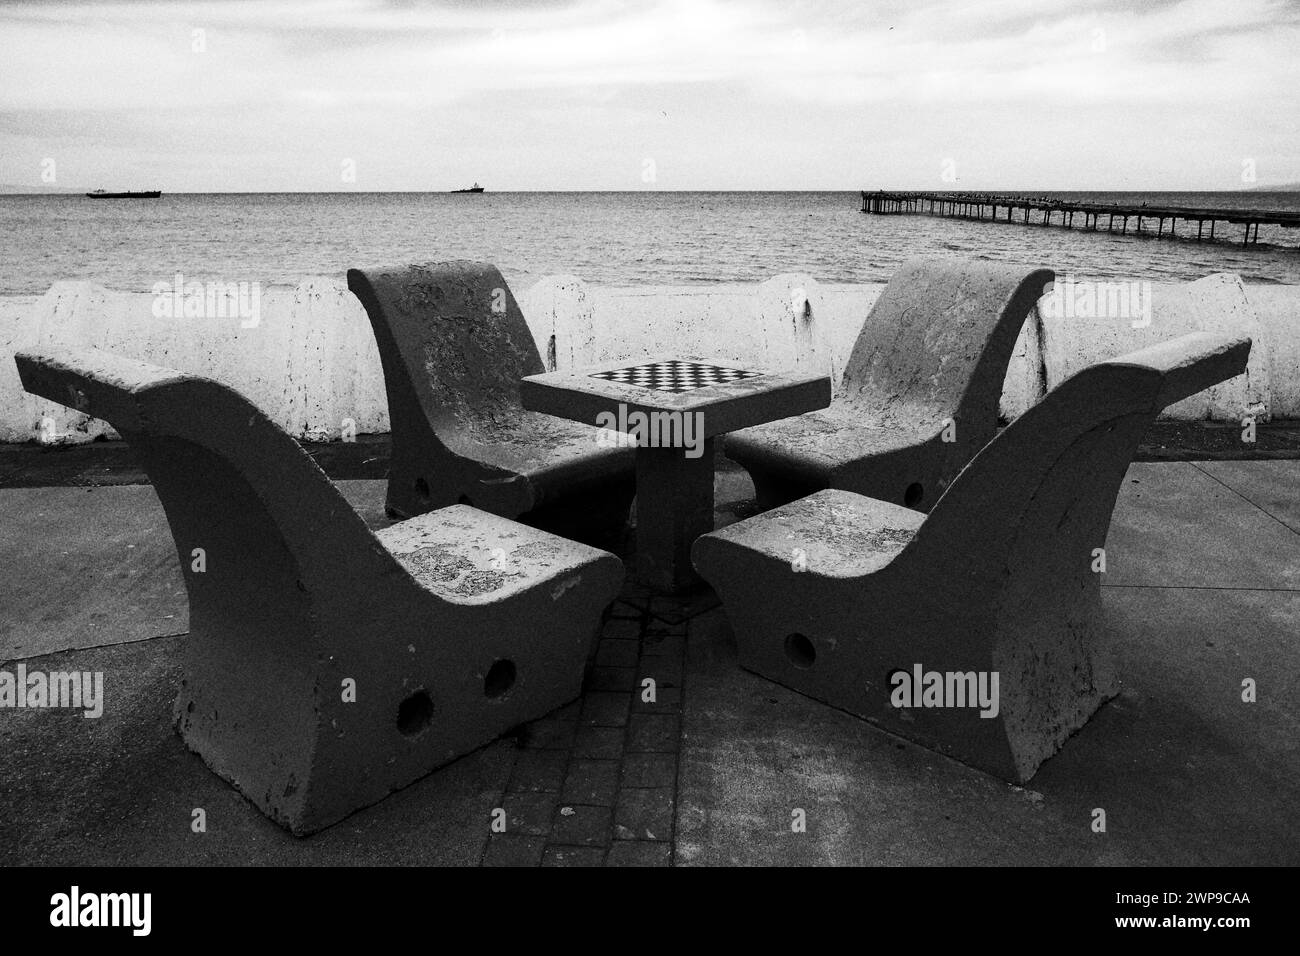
{"points": [[728, 395]]}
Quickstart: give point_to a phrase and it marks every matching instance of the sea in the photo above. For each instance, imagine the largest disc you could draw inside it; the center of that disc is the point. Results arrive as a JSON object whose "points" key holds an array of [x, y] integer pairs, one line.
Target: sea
{"points": [[609, 238]]}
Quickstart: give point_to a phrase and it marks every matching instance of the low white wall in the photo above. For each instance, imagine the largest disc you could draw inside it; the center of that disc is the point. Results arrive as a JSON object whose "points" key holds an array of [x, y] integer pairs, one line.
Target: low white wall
{"points": [[1071, 342], [1277, 309], [311, 363]]}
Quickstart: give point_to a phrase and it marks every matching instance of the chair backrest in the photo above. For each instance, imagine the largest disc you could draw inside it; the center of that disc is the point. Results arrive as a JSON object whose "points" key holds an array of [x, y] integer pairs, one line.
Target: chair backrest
{"points": [[224, 471], [940, 336], [452, 335], [1047, 484], [1009, 554]]}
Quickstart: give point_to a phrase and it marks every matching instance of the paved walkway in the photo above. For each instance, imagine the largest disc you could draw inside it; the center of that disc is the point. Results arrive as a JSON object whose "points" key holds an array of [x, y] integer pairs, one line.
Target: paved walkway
{"points": [[1203, 590]]}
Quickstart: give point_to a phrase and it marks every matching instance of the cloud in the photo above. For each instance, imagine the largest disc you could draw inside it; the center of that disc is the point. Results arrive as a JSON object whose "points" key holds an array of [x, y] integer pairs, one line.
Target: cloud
{"points": [[325, 73]]}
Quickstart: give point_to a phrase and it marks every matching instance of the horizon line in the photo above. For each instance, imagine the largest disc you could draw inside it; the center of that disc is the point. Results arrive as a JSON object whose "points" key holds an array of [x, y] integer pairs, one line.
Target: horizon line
{"points": [[80, 191]]}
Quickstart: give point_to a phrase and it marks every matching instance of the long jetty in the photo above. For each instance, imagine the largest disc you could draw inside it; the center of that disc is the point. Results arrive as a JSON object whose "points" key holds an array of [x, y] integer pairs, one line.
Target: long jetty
{"points": [[1003, 208]]}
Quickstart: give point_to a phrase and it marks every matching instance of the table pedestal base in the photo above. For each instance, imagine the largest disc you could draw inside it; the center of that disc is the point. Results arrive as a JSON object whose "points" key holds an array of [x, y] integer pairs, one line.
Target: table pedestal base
{"points": [[674, 506]]}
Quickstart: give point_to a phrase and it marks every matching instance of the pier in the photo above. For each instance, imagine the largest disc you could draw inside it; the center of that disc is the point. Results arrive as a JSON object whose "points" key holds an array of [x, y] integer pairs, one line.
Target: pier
{"points": [[1027, 210]]}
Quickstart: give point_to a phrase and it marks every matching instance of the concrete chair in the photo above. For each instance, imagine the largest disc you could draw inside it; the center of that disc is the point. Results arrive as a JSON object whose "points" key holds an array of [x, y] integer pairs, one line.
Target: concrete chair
{"points": [[919, 395], [454, 346], [852, 600], [327, 665]]}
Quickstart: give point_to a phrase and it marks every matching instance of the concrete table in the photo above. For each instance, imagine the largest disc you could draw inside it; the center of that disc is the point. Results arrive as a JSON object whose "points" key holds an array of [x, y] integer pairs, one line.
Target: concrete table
{"points": [[673, 407]]}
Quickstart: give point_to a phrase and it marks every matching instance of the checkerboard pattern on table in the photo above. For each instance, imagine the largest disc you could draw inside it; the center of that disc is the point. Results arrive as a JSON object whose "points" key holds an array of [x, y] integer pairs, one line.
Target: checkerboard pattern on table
{"points": [[675, 376]]}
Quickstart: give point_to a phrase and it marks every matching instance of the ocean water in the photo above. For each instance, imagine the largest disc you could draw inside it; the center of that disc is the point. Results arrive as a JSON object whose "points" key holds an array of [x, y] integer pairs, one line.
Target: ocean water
{"points": [[609, 238]]}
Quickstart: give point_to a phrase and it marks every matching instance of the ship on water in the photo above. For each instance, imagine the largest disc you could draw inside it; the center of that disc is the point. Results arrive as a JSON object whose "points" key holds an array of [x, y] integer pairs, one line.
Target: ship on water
{"points": [[476, 188], [138, 194]]}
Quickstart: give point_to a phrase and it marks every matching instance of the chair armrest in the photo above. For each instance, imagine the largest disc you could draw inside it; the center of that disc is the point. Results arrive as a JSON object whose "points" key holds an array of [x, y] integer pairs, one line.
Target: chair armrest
{"points": [[1192, 363]]}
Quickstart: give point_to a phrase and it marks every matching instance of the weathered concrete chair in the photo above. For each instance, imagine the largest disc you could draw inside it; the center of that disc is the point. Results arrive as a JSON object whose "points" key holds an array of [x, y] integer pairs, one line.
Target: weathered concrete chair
{"points": [[998, 579], [327, 666], [454, 346], [919, 395]]}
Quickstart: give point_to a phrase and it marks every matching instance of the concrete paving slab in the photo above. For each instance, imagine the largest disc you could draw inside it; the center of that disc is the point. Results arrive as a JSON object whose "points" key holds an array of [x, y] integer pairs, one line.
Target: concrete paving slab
{"points": [[1214, 779], [87, 567], [1272, 486], [121, 789], [1176, 526], [1186, 773], [366, 495], [84, 567]]}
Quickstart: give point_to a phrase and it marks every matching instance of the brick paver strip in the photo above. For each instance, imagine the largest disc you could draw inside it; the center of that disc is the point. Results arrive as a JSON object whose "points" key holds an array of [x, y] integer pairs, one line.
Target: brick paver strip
{"points": [[645, 814], [577, 825], [599, 743], [656, 733], [611, 756], [617, 628], [593, 782], [617, 679], [673, 612], [644, 770], [506, 850], [668, 698], [602, 709], [538, 771], [662, 644], [639, 853], [617, 654], [573, 856], [628, 610], [529, 814], [665, 668]]}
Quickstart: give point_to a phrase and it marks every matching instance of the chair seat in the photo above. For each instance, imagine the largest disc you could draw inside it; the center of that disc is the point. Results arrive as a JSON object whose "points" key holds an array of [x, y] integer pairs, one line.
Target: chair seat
{"points": [[550, 452], [469, 556], [841, 534], [833, 437]]}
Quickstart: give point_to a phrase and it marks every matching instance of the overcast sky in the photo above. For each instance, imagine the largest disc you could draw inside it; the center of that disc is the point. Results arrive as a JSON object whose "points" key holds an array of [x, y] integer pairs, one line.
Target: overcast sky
{"points": [[661, 94]]}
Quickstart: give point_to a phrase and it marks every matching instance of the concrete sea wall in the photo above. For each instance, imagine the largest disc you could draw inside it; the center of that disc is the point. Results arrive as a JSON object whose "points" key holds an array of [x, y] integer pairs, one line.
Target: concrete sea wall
{"points": [[309, 359]]}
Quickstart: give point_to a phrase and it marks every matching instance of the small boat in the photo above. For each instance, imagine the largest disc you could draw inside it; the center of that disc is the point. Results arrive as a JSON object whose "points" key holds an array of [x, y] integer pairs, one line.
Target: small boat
{"points": [[141, 194], [476, 188]]}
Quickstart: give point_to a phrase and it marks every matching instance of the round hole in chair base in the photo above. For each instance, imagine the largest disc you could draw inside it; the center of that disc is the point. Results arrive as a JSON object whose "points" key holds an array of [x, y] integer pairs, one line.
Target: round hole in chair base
{"points": [[422, 489], [913, 495], [500, 678], [415, 714], [800, 650]]}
